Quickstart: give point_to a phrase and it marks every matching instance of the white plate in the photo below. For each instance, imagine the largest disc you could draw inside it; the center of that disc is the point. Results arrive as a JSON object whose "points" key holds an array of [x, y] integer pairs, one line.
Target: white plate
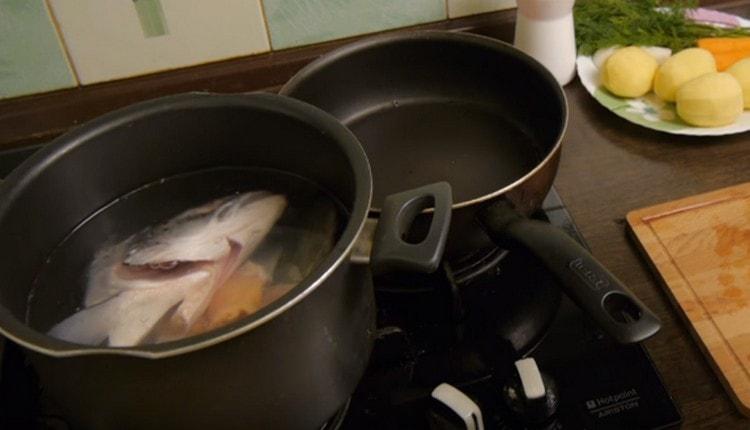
{"points": [[649, 111]]}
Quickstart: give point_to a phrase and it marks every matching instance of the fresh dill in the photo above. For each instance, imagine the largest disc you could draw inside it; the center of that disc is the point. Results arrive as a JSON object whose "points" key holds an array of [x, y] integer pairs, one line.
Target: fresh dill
{"points": [[605, 23]]}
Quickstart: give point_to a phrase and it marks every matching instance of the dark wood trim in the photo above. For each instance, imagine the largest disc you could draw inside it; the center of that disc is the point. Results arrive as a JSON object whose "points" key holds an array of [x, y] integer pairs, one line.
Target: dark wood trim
{"points": [[39, 118]]}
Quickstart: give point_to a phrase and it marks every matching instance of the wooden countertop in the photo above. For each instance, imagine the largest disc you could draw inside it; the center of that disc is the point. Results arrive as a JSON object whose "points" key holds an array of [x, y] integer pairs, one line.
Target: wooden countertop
{"points": [[610, 167]]}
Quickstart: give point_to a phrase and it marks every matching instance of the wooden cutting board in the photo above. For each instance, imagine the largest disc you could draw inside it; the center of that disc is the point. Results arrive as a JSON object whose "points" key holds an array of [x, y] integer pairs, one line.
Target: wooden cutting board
{"points": [[700, 248]]}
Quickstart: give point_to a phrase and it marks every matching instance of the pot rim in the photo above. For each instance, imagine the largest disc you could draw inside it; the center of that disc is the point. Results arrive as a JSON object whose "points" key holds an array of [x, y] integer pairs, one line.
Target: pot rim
{"points": [[34, 340], [452, 37]]}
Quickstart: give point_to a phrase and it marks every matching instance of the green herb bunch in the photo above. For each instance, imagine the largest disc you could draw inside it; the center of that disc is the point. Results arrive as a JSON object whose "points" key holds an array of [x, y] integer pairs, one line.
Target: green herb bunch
{"points": [[604, 23]]}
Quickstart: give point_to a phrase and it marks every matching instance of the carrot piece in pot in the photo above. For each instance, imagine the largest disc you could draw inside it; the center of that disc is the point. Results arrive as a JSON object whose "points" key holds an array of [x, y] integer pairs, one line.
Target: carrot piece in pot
{"points": [[241, 295]]}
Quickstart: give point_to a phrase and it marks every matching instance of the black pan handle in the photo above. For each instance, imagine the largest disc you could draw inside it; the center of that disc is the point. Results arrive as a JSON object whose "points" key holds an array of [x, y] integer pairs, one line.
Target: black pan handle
{"points": [[617, 311], [390, 252]]}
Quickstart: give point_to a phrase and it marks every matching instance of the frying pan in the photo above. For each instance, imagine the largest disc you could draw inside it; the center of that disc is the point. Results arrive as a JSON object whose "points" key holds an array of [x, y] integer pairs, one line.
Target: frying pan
{"points": [[489, 120]]}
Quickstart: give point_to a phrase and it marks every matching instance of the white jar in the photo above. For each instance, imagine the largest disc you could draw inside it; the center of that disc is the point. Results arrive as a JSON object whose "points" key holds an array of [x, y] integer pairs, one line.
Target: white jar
{"points": [[544, 30]]}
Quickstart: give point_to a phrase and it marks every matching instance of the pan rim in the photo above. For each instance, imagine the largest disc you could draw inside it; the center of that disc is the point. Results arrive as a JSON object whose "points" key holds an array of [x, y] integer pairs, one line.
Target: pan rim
{"points": [[450, 36]]}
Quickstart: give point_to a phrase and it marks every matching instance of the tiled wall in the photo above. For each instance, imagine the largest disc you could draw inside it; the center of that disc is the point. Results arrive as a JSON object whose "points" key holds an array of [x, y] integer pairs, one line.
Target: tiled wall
{"points": [[48, 45]]}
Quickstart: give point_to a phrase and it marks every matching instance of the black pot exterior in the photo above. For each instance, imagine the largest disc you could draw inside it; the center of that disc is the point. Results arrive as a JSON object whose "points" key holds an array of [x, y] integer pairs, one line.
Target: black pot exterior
{"points": [[289, 365], [294, 372]]}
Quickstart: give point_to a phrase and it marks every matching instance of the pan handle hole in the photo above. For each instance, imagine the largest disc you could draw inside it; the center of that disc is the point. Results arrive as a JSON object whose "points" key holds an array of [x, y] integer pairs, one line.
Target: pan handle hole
{"points": [[621, 308], [416, 224]]}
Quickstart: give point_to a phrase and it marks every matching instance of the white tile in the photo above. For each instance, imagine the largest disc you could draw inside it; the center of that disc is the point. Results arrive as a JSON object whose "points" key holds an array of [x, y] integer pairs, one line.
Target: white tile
{"points": [[108, 39], [457, 8]]}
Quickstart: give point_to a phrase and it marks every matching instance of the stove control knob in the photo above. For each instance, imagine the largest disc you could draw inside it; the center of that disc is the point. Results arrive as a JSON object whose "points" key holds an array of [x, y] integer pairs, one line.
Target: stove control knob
{"points": [[530, 394], [461, 413]]}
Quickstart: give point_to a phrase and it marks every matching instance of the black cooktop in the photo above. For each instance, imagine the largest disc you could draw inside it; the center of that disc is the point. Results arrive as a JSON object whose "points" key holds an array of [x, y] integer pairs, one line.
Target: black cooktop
{"points": [[465, 326]]}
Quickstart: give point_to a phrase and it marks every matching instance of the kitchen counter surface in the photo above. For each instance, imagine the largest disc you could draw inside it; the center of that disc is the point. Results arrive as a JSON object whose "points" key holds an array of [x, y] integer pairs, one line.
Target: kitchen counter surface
{"points": [[610, 167]]}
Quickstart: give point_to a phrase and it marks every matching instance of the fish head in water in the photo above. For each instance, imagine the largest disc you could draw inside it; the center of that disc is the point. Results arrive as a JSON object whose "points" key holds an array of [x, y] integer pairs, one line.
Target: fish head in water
{"points": [[209, 232], [176, 266]]}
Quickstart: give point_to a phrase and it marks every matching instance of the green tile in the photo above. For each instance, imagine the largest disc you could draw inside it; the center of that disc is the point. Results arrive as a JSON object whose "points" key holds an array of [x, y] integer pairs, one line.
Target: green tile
{"points": [[31, 57], [151, 16], [302, 22]]}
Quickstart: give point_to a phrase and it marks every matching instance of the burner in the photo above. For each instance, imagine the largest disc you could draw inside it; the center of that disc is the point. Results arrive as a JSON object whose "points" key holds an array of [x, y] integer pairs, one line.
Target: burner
{"points": [[476, 264], [497, 294], [514, 301]]}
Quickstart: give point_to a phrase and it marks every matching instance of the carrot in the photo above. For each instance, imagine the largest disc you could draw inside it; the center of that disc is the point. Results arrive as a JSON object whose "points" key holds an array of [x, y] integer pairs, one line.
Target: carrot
{"points": [[725, 44], [726, 50], [725, 60], [241, 295]]}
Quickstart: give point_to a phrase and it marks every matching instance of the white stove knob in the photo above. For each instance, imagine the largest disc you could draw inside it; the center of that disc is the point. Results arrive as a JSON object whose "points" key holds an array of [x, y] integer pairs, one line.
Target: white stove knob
{"points": [[530, 395], [460, 404], [531, 379]]}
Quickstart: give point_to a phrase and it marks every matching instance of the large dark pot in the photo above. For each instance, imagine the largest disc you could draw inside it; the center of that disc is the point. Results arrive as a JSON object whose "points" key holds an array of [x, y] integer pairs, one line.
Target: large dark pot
{"points": [[292, 364]]}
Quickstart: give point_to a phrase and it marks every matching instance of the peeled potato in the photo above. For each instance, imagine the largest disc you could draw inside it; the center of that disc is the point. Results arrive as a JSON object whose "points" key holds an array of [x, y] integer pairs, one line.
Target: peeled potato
{"points": [[741, 71], [710, 100], [629, 72], [680, 68], [602, 55], [660, 53]]}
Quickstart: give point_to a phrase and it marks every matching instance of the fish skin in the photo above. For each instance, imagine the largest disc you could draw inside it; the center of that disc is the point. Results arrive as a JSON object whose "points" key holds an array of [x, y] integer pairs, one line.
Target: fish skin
{"points": [[200, 234], [127, 318], [133, 284]]}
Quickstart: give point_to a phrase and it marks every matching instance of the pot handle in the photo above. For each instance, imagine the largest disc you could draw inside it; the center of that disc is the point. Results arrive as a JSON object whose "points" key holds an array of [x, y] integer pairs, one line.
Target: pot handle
{"points": [[390, 252], [597, 291]]}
